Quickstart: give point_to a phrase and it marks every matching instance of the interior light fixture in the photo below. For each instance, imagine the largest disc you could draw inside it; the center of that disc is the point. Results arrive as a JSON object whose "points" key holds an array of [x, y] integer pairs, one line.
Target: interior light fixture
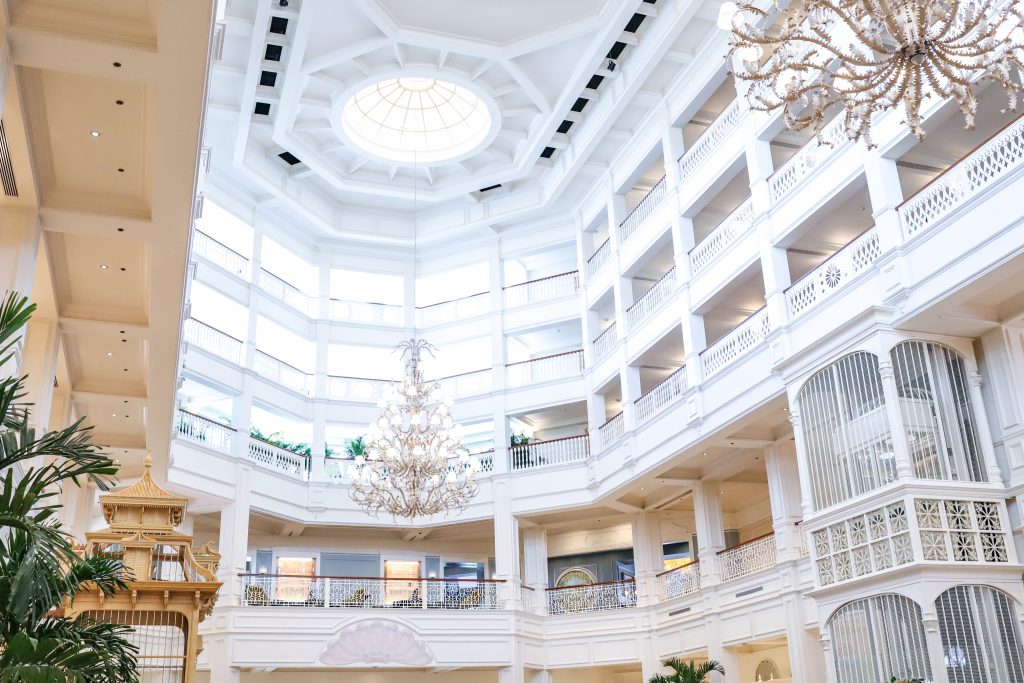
{"points": [[94, 133], [110, 353], [103, 266]]}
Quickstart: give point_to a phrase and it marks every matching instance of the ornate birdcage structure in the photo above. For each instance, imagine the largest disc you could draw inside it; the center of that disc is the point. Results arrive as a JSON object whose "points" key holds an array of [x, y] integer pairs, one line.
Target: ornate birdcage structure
{"points": [[171, 588]]}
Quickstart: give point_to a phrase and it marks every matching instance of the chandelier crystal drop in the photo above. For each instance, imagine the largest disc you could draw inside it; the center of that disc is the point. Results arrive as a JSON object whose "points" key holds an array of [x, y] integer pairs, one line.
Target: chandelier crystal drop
{"points": [[414, 465], [873, 55]]}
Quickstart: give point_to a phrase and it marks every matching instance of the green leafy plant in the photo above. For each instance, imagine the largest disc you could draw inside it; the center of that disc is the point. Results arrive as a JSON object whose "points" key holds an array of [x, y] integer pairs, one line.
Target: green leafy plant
{"points": [[894, 679], [355, 447], [687, 672], [38, 566], [275, 439]]}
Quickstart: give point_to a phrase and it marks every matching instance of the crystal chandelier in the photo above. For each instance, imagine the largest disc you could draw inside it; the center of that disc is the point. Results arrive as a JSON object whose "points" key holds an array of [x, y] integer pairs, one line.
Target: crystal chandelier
{"points": [[414, 465], [871, 55]]}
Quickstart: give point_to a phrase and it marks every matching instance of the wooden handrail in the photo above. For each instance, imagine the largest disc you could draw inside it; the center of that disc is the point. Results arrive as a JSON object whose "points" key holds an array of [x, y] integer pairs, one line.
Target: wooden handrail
{"points": [[282, 448], [562, 438], [656, 283], [740, 545], [301, 372], [707, 127], [587, 585], [542, 279], [610, 419], [461, 374], [834, 254], [218, 331], [962, 158], [371, 303], [599, 249], [361, 379], [655, 387], [675, 569], [213, 239], [450, 301], [721, 222], [733, 329], [554, 355], [369, 578], [206, 419], [640, 203], [606, 330], [285, 283]]}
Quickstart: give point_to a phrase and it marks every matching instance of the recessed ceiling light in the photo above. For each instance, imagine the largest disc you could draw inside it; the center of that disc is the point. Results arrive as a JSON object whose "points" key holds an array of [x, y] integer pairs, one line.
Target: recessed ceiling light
{"points": [[94, 133], [113, 415], [103, 266], [110, 353]]}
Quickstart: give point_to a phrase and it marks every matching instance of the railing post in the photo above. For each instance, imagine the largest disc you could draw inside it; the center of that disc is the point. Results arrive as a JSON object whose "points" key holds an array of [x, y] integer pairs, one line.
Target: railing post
{"points": [[327, 591]]}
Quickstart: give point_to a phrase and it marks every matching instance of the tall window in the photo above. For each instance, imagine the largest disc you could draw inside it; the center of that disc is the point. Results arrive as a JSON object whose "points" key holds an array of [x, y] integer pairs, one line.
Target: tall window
{"points": [[936, 408], [980, 632], [846, 431], [879, 637]]}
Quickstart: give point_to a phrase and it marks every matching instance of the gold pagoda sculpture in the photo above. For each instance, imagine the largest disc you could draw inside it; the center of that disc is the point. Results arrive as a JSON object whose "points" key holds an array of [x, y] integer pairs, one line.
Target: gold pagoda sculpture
{"points": [[171, 587]]}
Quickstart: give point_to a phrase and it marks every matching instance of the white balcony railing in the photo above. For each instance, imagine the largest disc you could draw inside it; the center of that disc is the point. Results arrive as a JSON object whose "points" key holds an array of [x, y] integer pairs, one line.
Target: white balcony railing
{"points": [[834, 273], [266, 590], [711, 139], [285, 292], [728, 232], [545, 369], [204, 430], [358, 389], [992, 160], [278, 458], [282, 373], [468, 383], [593, 597], [661, 395], [808, 158], [220, 254], [456, 309], [213, 340], [554, 452], [679, 581], [543, 289], [651, 300], [529, 598], [605, 342], [366, 312], [598, 259], [747, 558], [736, 343], [612, 430], [647, 206]]}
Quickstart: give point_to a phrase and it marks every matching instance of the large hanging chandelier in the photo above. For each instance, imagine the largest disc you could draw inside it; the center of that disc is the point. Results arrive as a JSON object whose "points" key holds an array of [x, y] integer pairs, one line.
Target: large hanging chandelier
{"points": [[414, 465], [872, 55]]}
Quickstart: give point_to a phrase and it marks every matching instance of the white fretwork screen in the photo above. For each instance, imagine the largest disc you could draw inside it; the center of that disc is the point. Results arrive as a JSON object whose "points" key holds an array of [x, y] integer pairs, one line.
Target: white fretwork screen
{"points": [[937, 414], [879, 637], [980, 635], [160, 638], [846, 430]]}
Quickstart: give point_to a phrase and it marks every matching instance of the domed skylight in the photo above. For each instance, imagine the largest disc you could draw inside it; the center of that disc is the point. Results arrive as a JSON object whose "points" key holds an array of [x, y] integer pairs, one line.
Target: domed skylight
{"points": [[416, 119]]}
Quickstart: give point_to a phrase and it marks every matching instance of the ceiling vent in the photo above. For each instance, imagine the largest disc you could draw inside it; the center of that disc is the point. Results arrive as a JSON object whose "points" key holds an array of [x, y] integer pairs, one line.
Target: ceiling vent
{"points": [[6, 167], [290, 158]]}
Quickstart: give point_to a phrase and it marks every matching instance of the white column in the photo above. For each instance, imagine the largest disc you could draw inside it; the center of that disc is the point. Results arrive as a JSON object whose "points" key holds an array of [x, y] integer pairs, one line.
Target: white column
{"points": [[904, 468], [784, 492], [672, 147], [995, 475], [629, 379], [886, 195], [542, 676], [19, 244], [802, 460], [218, 648], [647, 555], [233, 544], [707, 510], [694, 339], [535, 565], [933, 641], [506, 545], [512, 674], [806, 658], [41, 347]]}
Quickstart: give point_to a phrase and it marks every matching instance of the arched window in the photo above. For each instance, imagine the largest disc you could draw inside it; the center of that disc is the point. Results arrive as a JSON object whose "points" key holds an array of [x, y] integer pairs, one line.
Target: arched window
{"points": [[879, 637], [980, 635], [846, 430], [936, 407], [767, 670]]}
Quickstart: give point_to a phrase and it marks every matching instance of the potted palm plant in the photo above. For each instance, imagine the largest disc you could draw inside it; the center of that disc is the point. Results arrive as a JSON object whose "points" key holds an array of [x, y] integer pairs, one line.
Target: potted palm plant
{"points": [[687, 672], [39, 568]]}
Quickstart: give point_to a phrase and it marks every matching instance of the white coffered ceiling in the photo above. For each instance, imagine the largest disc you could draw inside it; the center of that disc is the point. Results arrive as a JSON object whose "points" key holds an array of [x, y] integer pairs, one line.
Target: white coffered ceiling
{"points": [[283, 74]]}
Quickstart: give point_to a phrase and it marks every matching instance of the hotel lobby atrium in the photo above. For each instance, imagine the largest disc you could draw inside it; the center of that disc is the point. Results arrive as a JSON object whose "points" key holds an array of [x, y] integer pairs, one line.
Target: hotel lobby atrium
{"points": [[480, 341]]}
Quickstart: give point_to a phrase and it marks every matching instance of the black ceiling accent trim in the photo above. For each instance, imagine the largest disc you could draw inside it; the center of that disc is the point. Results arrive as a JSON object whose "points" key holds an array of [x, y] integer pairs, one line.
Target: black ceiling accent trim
{"points": [[261, 108], [268, 78], [548, 151], [290, 158], [6, 166], [490, 187], [565, 126], [634, 22], [278, 25], [578, 105], [272, 53], [616, 50], [595, 82]]}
